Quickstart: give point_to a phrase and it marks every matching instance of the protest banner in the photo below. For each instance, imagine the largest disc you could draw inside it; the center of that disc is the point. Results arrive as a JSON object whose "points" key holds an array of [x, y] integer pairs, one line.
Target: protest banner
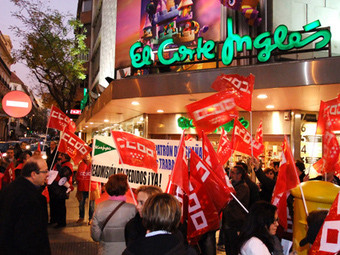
{"points": [[105, 162]]}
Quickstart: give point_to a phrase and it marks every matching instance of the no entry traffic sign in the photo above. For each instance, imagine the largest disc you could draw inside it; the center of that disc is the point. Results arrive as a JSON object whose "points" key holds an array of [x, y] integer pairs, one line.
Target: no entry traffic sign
{"points": [[17, 104]]}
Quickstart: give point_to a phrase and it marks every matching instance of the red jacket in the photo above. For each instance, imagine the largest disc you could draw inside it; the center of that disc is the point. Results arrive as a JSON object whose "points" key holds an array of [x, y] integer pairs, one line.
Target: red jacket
{"points": [[83, 177]]}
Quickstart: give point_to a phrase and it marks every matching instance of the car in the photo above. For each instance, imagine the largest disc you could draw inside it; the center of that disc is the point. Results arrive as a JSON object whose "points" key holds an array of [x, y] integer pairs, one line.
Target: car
{"points": [[5, 145]]}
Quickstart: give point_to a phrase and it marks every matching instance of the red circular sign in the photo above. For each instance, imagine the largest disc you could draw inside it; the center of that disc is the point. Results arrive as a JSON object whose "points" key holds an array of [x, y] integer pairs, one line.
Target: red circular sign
{"points": [[17, 104]]}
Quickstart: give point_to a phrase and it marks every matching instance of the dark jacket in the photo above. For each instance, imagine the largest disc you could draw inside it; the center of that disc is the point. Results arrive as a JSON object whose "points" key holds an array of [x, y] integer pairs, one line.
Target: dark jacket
{"points": [[168, 244], [254, 193], [134, 229], [233, 214], [23, 220], [267, 185]]}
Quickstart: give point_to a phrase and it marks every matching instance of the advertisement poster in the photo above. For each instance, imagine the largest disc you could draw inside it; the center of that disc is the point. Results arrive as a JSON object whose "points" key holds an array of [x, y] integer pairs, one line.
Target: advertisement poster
{"points": [[157, 20], [105, 162]]}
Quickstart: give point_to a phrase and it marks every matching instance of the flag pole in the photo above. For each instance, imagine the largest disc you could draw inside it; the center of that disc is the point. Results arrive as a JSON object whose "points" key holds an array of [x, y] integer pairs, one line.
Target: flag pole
{"points": [[123, 166], [60, 135], [48, 123], [238, 201], [251, 144]]}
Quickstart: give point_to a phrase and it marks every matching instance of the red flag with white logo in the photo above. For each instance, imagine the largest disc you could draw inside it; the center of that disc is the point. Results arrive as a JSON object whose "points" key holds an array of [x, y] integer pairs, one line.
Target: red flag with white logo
{"points": [[225, 148], [73, 146], [242, 141], [319, 166], [135, 150], [9, 175], [60, 120], [202, 214], [259, 133], [331, 107], [242, 86], [287, 179], [330, 148], [217, 189], [213, 111], [211, 159], [327, 241]]}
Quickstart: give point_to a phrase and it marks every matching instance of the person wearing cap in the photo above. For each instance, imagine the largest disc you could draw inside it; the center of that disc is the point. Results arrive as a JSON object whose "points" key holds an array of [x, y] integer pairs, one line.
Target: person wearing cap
{"points": [[315, 220]]}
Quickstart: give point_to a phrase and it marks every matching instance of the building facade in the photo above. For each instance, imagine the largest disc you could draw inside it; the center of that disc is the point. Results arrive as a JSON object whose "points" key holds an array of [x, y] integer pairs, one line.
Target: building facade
{"points": [[152, 98]]}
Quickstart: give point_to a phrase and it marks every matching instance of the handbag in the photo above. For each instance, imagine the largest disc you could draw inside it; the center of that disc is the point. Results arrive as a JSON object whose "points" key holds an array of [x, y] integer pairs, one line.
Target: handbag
{"points": [[111, 214]]}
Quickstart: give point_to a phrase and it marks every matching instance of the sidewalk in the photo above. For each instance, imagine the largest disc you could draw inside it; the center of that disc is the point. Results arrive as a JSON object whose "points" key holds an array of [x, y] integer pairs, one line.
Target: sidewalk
{"points": [[75, 238]]}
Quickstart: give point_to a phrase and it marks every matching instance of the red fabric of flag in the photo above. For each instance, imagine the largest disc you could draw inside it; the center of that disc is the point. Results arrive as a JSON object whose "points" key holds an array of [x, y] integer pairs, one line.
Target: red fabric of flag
{"points": [[73, 146], [243, 86], [213, 111], [331, 107], [331, 150], [135, 150], [211, 159], [179, 175], [60, 121], [225, 148], [202, 214], [9, 175], [287, 179], [242, 141], [327, 241], [217, 189]]}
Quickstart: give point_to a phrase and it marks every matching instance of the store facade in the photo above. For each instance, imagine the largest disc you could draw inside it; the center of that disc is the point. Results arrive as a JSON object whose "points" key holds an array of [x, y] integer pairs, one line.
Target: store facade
{"points": [[151, 104]]}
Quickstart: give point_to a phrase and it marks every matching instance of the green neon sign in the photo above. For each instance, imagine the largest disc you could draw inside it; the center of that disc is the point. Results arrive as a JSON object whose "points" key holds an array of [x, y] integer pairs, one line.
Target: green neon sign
{"points": [[185, 123], [141, 55]]}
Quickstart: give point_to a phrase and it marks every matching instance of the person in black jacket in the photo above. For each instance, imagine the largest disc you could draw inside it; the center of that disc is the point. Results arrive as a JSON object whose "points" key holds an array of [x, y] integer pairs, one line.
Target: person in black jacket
{"points": [[23, 212], [161, 217]]}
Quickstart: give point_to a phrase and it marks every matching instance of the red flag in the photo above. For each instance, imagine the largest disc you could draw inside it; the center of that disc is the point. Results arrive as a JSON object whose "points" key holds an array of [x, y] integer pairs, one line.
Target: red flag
{"points": [[1, 177], [73, 146], [319, 166], [135, 151], [211, 159], [242, 141], [327, 241], [39, 149], [225, 148], [259, 133], [332, 108], [189, 138], [9, 174], [331, 150], [213, 111], [286, 180], [179, 175], [217, 189], [242, 87], [202, 214], [60, 121]]}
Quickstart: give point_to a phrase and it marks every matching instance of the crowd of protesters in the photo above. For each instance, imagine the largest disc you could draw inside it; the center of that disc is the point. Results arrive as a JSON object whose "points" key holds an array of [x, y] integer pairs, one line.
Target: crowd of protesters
{"points": [[151, 227]]}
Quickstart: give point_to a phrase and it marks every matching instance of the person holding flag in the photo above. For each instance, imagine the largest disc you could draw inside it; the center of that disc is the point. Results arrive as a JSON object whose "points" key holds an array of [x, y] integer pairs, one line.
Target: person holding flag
{"points": [[59, 190], [234, 215]]}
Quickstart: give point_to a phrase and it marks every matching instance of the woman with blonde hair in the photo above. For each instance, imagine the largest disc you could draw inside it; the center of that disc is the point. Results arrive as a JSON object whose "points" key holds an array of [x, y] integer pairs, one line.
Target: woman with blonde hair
{"points": [[111, 216], [134, 229]]}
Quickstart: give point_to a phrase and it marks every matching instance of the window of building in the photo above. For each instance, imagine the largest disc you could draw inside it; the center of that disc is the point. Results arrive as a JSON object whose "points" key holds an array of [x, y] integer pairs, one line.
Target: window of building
{"points": [[87, 5]]}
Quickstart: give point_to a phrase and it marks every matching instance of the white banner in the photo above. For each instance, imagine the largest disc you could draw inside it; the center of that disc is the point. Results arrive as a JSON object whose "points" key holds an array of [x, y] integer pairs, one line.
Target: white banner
{"points": [[105, 162]]}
